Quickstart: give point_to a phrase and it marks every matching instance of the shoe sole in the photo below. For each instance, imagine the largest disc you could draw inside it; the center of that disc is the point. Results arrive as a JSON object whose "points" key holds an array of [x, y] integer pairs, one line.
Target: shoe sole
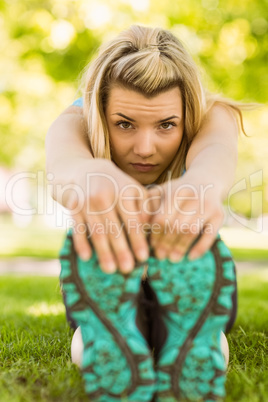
{"points": [[117, 364], [196, 302]]}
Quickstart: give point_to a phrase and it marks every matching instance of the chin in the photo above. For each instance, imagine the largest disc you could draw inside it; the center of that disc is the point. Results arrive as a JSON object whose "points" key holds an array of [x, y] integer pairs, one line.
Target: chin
{"points": [[144, 178], [147, 180]]}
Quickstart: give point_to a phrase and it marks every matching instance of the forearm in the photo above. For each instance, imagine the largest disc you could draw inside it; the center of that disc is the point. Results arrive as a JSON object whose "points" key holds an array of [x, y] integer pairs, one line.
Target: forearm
{"points": [[213, 152], [66, 143], [216, 165]]}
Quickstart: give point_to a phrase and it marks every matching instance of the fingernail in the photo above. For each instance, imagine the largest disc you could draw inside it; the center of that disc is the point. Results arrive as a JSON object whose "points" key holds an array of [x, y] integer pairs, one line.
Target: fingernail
{"points": [[85, 255], [127, 266], [160, 253], [110, 267], [193, 256], [142, 254], [175, 257]]}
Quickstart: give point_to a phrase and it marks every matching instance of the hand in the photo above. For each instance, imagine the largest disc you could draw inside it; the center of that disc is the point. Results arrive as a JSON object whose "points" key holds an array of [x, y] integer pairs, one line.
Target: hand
{"points": [[106, 205], [181, 210]]}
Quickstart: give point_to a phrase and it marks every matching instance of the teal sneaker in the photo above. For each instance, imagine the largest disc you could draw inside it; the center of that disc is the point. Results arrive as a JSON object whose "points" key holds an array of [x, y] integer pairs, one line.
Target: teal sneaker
{"points": [[117, 364], [196, 300]]}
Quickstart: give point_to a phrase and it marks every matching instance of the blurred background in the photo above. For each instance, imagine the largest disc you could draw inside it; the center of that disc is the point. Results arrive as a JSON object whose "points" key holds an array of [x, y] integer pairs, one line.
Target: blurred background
{"points": [[43, 48]]}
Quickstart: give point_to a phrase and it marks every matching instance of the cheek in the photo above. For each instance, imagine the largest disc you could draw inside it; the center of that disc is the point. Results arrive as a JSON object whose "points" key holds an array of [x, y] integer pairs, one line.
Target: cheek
{"points": [[114, 143], [120, 143], [119, 148], [173, 146]]}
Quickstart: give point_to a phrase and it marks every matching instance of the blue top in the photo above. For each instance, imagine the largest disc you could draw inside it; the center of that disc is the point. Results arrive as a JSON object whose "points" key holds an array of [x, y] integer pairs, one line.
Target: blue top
{"points": [[78, 102]]}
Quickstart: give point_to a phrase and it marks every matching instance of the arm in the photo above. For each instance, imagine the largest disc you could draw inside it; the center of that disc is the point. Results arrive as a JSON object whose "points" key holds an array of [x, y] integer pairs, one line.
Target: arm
{"points": [[66, 143], [213, 152], [70, 160], [210, 170]]}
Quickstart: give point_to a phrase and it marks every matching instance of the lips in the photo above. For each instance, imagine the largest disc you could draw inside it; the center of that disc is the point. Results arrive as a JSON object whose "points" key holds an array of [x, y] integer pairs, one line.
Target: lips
{"points": [[143, 167]]}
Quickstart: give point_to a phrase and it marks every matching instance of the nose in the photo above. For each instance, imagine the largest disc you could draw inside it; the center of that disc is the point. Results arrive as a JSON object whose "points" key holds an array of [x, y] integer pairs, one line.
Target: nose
{"points": [[144, 145]]}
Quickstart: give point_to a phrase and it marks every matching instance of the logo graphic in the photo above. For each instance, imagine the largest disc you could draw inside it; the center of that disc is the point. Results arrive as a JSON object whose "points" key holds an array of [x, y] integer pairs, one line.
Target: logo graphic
{"points": [[255, 221]]}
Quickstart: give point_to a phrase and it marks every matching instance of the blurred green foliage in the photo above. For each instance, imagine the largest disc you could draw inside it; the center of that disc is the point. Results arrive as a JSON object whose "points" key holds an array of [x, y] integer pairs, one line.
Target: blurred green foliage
{"points": [[45, 45]]}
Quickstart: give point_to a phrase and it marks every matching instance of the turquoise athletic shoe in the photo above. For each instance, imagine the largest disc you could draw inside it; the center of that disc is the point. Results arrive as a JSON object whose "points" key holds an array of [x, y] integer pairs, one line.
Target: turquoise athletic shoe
{"points": [[196, 301], [117, 364]]}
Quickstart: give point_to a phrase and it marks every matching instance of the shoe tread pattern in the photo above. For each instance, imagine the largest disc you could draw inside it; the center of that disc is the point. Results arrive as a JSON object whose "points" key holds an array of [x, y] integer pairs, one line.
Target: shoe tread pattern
{"points": [[196, 299], [117, 363]]}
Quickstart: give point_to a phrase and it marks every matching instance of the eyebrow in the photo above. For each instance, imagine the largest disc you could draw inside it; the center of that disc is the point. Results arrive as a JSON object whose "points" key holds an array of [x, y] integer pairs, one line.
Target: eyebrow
{"points": [[169, 118], [159, 121], [124, 116]]}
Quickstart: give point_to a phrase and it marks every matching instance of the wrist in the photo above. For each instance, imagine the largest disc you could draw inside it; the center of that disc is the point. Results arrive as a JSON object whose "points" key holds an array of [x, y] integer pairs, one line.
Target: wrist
{"points": [[202, 181]]}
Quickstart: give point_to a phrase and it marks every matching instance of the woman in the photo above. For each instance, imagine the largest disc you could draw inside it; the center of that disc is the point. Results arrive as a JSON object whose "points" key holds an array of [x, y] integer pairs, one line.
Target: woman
{"points": [[144, 105]]}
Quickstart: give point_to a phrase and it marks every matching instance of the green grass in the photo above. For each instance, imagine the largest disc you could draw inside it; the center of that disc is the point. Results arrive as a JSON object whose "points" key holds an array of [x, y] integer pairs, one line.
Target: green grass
{"points": [[247, 379], [35, 343], [36, 240], [249, 254]]}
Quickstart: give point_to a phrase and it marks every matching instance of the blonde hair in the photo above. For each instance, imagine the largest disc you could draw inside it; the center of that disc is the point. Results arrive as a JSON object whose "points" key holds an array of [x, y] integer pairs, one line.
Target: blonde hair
{"points": [[150, 61]]}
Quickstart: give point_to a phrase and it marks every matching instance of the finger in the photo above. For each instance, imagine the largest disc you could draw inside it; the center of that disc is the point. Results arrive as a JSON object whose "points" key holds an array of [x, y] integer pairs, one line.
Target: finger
{"points": [[113, 251], [81, 244], [157, 237], [207, 238], [136, 228], [100, 239], [121, 248], [162, 240], [135, 233], [189, 230], [176, 239], [158, 223], [157, 210], [181, 246], [202, 246], [140, 206], [109, 239], [104, 252]]}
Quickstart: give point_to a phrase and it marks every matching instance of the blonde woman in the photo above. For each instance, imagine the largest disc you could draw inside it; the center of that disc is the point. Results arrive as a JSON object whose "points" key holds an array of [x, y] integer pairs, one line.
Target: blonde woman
{"points": [[148, 157]]}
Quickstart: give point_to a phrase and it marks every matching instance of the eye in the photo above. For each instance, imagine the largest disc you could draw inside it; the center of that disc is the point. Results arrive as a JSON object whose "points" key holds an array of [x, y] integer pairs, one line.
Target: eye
{"points": [[168, 125], [124, 124]]}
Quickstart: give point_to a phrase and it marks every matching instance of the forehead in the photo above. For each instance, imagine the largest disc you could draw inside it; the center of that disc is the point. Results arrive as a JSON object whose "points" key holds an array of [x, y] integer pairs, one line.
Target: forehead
{"points": [[123, 98]]}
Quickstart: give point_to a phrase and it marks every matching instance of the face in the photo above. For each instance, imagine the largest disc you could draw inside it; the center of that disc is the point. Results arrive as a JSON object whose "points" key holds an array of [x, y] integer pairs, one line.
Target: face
{"points": [[145, 133]]}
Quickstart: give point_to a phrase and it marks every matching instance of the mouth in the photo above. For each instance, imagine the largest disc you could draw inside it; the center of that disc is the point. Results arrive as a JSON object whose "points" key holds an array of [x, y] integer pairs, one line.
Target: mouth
{"points": [[143, 167]]}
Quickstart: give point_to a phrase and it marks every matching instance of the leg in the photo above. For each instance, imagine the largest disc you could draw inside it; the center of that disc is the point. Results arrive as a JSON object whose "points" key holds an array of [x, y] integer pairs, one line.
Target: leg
{"points": [[225, 349], [77, 348], [116, 361], [229, 325]]}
